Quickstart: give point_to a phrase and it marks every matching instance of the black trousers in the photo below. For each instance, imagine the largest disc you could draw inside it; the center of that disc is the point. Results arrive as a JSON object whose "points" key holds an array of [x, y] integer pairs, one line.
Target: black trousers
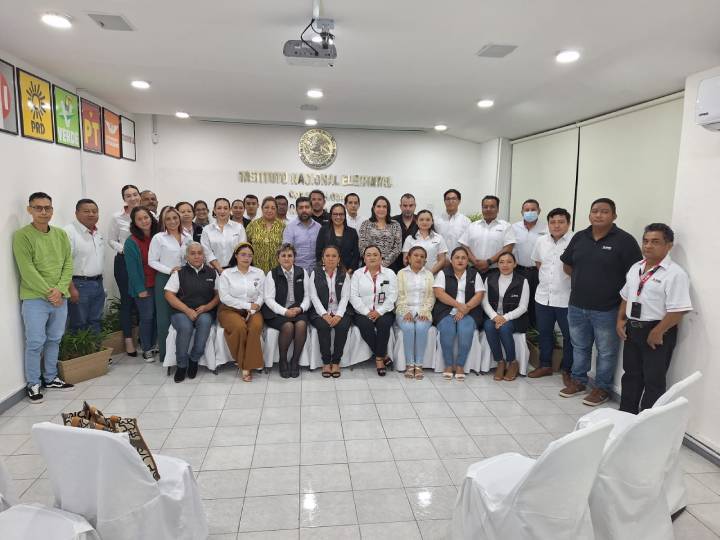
{"points": [[531, 274], [376, 333], [644, 379], [324, 337]]}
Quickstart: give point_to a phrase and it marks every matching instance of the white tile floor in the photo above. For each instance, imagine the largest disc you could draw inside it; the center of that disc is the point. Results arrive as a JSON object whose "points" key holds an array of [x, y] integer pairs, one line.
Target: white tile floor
{"points": [[313, 458]]}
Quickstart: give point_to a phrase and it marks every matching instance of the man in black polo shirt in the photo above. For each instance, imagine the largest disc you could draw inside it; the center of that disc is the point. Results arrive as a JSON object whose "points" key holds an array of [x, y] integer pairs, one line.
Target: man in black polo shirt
{"points": [[408, 225], [597, 260], [317, 205]]}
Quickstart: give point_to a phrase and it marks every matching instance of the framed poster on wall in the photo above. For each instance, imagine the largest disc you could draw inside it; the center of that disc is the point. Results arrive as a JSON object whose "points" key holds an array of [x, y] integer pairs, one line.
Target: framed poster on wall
{"points": [[111, 134], [8, 106], [127, 130], [67, 117], [35, 100], [91, 126]]}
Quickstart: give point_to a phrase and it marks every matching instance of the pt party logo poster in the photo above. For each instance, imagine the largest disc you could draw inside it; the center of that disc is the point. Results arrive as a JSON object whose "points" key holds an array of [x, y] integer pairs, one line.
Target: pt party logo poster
{"points": [[36, 118], [67, 117], [111, 134], [91, 127]]}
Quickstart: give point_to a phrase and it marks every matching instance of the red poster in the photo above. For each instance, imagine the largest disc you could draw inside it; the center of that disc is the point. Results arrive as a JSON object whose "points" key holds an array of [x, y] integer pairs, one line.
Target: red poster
{"points": [[91, 127], [111, 134]]}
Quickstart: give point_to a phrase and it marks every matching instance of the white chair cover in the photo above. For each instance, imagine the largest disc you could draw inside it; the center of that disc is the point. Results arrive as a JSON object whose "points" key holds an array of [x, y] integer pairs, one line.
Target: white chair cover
{"points": [[222, 353], [8, 497], [209, 359], [430, 348], [30, 521], [355, 351], [521, 350], [626, 502], [474, 359], [98, 475], [515, 497]]}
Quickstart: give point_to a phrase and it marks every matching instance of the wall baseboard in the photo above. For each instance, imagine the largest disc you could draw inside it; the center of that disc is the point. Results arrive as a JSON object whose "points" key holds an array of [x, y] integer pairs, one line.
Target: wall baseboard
{"points": [[701, 449], [11, 400]]}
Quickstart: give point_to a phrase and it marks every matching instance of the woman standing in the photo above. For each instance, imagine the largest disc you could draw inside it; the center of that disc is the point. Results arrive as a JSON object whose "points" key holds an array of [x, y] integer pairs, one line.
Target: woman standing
{"points": [[414, 309], [265, 234], [119, 232], [426, 237], [241, 292], [166, 255], [237, 210], [287, 300], [506, 304], [141, 276], [220, 238], [373, 292], [459, 291], [330, 294], [186, 220], [381, 231], [202, 213], [337, 233]]}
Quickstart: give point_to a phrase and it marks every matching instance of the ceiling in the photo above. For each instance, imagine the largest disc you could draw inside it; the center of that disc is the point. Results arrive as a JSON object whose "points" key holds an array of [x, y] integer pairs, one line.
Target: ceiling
{"points": [[401, 63]]}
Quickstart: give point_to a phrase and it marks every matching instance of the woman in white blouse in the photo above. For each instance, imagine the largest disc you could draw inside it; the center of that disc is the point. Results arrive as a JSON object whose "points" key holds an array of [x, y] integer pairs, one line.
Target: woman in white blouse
{"points": [[373, 292], [330, 294], [166, 255], [414, 309], [241, 295], [287, 300], [506, 306], [426, 237], [220, 237], [119, 232]]}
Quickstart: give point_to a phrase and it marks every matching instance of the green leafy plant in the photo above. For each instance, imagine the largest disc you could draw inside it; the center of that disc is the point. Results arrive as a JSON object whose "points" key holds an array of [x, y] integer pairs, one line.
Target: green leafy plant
{"points": [[475, 217], [533, 336], [111, 319], [81, 343]]}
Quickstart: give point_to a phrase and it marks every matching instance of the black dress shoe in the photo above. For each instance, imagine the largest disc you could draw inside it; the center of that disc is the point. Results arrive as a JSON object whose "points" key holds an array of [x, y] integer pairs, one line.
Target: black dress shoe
{"points": [[192, 369], [133, 354], [180, 374], [284, 369]]}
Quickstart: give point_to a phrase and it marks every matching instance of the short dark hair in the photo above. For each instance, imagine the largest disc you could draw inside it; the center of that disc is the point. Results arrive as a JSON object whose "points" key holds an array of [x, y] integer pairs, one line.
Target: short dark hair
{"points": [[317, 191], [345, 200], [373, 217], [83, 201], [460, 248], [559, 212], [371, 246], [455, 191], [491, 198], [286, 247], [38, 195], [533, 201], [126, 187], [135, 230], [417, 248], [432, 227], [199, 201], [250, 196], [283, 197], [666, 231], [237, 200], [407, 196], [178, 205], [607, 201], [301, 200]]}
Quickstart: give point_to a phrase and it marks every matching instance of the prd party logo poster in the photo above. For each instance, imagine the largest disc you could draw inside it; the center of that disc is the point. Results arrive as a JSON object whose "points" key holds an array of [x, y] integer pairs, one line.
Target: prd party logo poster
{"points": [[91, 127], [111, 134], [67, 117], [36, 118]]}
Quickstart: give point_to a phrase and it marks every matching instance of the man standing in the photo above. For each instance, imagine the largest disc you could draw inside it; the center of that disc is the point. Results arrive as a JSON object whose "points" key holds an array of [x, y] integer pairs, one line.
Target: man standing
{"points": [[352, 205], [597, 260], [42, 255], [451, 224], [552, 294], [87, 294], [281, 202], [408, 225], [149, 200], [527, 231], [251, 208], [302, 233], [317, 203], [655, 297], [488, 238]]}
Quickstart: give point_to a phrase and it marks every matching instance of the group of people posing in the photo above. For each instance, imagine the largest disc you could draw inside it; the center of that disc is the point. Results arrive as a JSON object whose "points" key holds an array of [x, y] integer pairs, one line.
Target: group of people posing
{"points": [[187, 265]]}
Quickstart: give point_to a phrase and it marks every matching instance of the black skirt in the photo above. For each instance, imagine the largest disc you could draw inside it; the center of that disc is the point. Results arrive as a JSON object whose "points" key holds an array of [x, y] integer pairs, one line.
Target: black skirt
{"points": [[278, 320]]}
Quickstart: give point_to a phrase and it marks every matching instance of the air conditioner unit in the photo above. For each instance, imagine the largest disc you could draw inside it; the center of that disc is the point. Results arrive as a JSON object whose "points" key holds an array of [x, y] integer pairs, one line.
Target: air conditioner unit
{"points": [[707, 106]]}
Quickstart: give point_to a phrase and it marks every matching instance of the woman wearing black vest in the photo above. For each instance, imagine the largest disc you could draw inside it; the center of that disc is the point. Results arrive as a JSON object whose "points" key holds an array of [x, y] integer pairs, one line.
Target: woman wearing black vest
{"points": [[337, 232], [457, 313], [506, 306], [193, 298], [287, 299], [330, 294]]}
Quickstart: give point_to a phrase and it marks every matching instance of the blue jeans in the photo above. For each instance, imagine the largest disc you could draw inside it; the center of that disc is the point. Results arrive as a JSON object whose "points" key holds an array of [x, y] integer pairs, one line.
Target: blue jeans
{"points": [[44, 328], [415, 334], [146, 312], [588, 326], [87, 313], [502, 336], [546, 316], [449, 329], [185, 328]]}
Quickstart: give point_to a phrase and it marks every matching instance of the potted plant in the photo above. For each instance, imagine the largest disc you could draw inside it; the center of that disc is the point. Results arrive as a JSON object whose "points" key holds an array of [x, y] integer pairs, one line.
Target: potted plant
{"points": [[82, 356]]}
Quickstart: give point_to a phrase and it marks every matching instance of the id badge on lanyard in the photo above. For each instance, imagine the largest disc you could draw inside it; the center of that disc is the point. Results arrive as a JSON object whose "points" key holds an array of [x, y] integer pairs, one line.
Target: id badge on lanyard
{"points": [[636, 307]]}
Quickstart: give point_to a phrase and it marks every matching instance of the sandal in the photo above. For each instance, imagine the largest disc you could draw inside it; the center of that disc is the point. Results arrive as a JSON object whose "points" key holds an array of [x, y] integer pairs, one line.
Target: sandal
{"points": [[460, 376], [247, 376], [326, 373], [389, 364], [419, 373], [335, 373], [410, 372], [380, 370], [447, 375]]}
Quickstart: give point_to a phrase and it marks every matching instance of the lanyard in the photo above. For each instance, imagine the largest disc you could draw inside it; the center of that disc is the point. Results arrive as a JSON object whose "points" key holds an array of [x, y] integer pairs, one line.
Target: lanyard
{"points": [[374, 280], [645, 277], [331, 283]]}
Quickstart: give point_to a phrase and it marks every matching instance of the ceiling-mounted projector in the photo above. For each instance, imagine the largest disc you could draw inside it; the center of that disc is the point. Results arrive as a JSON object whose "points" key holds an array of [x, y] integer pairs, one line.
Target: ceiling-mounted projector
{"points": [[319, 51]]}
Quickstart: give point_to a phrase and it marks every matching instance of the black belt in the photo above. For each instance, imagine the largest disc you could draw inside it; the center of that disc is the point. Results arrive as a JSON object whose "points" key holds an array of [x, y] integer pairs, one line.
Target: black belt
{"points": [[528, 268], [641, 324], [88, 278]]}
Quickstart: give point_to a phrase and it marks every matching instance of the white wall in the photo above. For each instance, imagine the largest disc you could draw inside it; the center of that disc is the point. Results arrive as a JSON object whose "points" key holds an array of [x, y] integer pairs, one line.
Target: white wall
{"points": [[696, 249]]}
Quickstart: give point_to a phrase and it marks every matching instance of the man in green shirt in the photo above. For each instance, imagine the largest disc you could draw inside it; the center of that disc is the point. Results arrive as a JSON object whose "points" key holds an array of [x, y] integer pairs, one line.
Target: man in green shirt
{"points": [[44, 260]]}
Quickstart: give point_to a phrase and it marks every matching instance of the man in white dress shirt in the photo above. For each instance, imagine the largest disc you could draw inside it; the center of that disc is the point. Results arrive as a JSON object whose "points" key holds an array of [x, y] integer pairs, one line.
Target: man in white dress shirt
{"points": [[451, 224], [488, 238], [352, 205], [87, 294], [527, 231]]}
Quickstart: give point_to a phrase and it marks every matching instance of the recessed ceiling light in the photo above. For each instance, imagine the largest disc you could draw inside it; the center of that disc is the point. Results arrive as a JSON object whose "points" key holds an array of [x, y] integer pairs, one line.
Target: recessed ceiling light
{"points": [[311, 122], [57, 20], [485, 103], [441, 127], [141, 85], [567, 57], [181, 114], [315, 93]]}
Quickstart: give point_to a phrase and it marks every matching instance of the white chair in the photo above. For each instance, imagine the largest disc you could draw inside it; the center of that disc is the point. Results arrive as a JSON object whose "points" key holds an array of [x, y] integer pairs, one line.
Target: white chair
{"points": [[511, 496], [626, 502], [98, 475], [428, 357], [25, 521], [521, 351], [355, 351], [8, 497], [473, 362], [674, 487], [208, 359]]}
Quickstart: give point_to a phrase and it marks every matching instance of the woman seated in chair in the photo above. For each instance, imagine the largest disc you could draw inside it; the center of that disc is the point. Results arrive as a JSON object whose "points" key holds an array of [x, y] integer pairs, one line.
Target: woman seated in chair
{"points": [[414, 309], [330, 294], [287, 300], [192, 295], [241, 292], [506, 306], [373, 292], [457, 313]]}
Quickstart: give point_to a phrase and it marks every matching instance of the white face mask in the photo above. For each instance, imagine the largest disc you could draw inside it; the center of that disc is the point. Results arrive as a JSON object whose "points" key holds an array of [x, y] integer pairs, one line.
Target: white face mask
{"points": [[530, 217]]}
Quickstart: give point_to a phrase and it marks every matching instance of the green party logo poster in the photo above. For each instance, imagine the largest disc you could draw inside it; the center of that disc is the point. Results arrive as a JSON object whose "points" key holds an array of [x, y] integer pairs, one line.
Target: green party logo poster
{"points": [[67, 118]]}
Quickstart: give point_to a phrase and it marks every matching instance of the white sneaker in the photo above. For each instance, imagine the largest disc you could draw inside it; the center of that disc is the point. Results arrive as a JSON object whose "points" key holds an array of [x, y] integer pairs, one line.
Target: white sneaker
{"points": [[149, 357]]}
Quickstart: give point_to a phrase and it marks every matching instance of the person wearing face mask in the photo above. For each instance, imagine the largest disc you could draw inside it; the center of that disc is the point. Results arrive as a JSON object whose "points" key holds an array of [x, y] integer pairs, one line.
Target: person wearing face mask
{"points": [[527, 231]]}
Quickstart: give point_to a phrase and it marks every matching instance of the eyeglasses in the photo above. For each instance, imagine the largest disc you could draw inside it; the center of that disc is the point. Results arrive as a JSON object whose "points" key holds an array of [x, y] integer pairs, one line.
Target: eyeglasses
{"points": [[42, 208]]}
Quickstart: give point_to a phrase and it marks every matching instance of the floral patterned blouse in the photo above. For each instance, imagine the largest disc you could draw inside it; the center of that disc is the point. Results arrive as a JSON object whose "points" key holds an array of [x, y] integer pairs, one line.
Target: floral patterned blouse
{"points": [[265, 242], [389, 239]]}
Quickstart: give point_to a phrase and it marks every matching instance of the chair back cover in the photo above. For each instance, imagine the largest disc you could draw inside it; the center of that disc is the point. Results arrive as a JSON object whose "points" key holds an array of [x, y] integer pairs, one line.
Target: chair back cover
{"points": [[679, 389], [30, 521], [8, 496]]}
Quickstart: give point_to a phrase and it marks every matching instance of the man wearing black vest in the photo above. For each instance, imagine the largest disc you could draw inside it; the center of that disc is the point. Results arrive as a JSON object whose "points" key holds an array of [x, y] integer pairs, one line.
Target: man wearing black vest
{"points": [[192, 295]]}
